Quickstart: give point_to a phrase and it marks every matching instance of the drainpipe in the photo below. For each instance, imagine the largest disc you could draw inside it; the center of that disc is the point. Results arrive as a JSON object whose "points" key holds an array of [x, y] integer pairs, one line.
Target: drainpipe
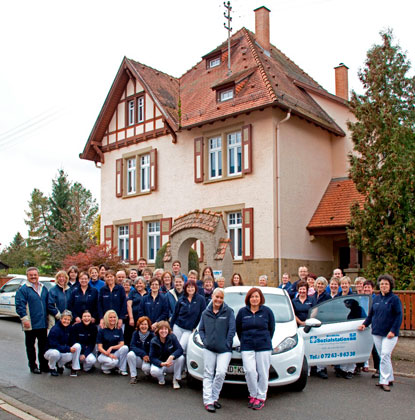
{"points": [[287, 117]]}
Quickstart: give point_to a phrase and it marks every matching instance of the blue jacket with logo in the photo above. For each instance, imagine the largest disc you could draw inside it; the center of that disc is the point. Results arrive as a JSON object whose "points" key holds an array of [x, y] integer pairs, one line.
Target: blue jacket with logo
{"points": [[322, 298], [160, 352], [217, 330], [255, 330], [301, 309], [187, 314], [385, 315], [110, 337], [58, 300], [114, 299], [85, 335], [59, 338], [136, 299], [80, 301], [30, 306], [173, 297], [156, 309], [138, 347]]}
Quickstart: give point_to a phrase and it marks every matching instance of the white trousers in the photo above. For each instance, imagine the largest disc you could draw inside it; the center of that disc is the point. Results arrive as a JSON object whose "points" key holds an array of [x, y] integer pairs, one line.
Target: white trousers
{"points": [[120, 362], [216, 366], [385, 346], [182, 335], [256, 366], [89, 361], [55, 357], [135, 362], [348, 367], [176, 369]]}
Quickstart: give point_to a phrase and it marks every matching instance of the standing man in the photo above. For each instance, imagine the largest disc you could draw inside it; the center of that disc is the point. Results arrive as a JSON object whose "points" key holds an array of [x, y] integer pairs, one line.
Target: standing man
{"points": [[31, 306], [142, 264], [175, 268], [302, 274]]}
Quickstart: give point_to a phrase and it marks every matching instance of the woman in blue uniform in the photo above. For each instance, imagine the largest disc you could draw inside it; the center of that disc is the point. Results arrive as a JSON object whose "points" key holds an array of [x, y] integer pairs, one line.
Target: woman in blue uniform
{"points": [[59, 295], [110, 341], [255, 325], [302, 303], [155, 305], [84, 298]]}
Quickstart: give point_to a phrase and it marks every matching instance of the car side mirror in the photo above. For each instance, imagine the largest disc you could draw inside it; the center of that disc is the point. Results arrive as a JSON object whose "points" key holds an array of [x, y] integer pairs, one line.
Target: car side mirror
{"points": [[311, 323]]}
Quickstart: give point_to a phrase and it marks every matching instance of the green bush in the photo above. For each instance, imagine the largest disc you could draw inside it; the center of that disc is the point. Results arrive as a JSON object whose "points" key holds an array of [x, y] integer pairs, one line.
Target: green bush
{"points": [[193, 258]]}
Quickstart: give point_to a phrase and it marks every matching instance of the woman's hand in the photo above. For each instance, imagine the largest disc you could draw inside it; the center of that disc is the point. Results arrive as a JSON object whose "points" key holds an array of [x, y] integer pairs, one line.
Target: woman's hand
{"points": [[146, 359], [119, 323], [77, 320], [390, 335], [101, 323], [82, 357], [169, 361], [113, 356], [131, 322], [361, 327]]}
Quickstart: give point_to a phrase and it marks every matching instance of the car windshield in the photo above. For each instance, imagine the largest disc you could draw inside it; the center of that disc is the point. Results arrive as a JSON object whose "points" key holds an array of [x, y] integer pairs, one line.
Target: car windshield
{"points": [[47, 284], [11, 286], [279, 304]]}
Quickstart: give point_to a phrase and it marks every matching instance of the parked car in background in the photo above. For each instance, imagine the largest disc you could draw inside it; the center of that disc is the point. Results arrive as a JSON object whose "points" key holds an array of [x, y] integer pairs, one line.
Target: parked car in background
{"points": [[8, 292]]}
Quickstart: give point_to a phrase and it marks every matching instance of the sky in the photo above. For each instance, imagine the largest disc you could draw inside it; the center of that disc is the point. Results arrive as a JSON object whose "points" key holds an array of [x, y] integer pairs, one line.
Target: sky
{"points": [[59, 59]]}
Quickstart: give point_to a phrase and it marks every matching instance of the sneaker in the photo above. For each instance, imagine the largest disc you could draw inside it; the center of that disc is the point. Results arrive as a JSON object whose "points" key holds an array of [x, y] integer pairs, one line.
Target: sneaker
{"points": [[54, 372], [210, 407], [176, 384], [376, 374], [74, 373], [106, 372], [217, 405], [258, 404], [348, 375], [60, 369], [163, 382], [133, 380], [36, 371], [251, 402], [123, 372], [321, 374]]}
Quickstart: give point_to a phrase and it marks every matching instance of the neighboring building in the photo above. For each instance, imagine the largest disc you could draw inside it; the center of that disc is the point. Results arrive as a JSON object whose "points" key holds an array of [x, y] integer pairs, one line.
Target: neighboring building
{"points": [[262, 145]]}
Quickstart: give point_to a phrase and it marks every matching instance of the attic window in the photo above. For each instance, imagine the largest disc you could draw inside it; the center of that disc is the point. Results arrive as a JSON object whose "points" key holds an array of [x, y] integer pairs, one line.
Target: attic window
{"points": [[225, 94], [214, 62]]}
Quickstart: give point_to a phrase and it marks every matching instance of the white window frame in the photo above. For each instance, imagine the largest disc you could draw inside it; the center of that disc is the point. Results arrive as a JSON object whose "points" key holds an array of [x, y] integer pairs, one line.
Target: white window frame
{"points": [[226, 95], [234, 148], [214, 62], [145, 173], [153, 240], [131, 176], [215, 153], [123, 242], [131, 112], [140, 109], [235, 234]]}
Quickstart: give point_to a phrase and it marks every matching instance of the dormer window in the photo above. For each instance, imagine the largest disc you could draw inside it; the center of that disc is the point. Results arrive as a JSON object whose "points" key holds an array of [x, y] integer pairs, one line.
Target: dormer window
{"points": [[226, 94], [214, 62]]}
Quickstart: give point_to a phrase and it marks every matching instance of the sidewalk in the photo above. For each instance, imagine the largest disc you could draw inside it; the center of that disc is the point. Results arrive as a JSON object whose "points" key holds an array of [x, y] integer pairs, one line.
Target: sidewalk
{"points": [[403, 357]]}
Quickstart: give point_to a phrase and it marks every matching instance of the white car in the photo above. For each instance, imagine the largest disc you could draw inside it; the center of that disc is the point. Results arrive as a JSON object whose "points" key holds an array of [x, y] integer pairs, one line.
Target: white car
{"points": [[330, 337], [9, 289]]}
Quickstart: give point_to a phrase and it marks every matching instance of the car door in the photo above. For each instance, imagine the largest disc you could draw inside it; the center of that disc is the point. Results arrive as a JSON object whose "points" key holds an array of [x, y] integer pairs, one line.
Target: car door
{"points": [[338, 340], [7, 297]]}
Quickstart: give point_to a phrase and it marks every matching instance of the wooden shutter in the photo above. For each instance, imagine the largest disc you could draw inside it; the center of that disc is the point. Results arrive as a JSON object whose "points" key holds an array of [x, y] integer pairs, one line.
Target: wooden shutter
{"points": [[165, 228], [248, 234], [109, 236], [118, 177], [135, 244], [247, 149], [153, 170], [198, 157]]}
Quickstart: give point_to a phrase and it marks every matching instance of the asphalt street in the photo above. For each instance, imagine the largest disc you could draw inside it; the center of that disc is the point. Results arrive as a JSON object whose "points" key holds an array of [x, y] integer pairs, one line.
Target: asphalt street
{"points": [[96, 396]]}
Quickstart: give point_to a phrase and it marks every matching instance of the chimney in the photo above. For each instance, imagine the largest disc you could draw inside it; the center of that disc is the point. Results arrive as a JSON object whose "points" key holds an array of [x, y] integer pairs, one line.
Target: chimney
{"points": [[342, 81], [262, 27]]}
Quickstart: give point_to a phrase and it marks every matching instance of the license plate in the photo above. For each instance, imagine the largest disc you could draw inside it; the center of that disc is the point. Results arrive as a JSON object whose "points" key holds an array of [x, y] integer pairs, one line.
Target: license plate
{"points": [[236, 370]]}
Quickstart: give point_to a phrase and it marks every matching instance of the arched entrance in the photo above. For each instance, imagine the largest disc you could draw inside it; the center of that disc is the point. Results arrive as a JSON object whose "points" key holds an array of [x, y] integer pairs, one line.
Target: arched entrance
{"points": [[209, 228]]}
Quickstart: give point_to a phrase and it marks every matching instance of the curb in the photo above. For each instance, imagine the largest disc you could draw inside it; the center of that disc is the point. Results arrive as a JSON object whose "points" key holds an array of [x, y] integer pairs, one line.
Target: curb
{"points": [[404, 375]]}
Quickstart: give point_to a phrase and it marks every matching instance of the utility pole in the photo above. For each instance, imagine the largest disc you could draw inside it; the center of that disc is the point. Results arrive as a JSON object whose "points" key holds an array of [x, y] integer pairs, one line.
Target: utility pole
{"points": [[229, 29]]}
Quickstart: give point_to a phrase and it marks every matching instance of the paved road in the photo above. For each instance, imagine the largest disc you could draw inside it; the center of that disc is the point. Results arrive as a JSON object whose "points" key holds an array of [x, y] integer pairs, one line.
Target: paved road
{"points": [[96, 396]]}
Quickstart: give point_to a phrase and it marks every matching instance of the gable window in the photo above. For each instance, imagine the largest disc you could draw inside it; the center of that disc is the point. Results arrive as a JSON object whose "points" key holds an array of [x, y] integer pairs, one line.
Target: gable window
{"points": [[225, 95], [234, 153], [215, 157], [131, 176], [214, 62], [153, 240], [123, 248], [131, 112], [140, 109], [235, 234], [145, 173]]}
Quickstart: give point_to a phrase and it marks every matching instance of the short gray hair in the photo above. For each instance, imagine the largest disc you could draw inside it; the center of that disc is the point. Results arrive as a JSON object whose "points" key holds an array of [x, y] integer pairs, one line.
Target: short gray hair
{"points": [[321, 279], [66, 312], [32, 269], [263, 276]]}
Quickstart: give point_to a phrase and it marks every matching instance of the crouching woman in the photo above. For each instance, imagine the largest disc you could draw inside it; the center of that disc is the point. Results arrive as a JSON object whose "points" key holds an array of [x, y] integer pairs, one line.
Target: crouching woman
{"points": [[216, 329], [110, 341], [60, 350], [166, 355]]}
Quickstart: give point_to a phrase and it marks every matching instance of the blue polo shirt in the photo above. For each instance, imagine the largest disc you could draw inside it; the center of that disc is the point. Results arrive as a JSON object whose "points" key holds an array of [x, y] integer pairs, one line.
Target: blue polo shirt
{"points": [[301, 309]]}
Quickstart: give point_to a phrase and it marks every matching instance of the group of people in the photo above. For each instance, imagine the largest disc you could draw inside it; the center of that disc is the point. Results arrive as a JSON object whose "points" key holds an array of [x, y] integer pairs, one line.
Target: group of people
{"points": [[143, 320]]}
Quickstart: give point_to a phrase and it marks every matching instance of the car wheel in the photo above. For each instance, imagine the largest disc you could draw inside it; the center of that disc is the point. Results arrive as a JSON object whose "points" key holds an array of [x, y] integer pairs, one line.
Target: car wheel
{"points": [[301, 382], [192, 382]]}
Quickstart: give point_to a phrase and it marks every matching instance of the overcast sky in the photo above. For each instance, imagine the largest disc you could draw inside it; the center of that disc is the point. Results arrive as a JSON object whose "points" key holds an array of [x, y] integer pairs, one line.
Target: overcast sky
{"points": [[59, 58]]}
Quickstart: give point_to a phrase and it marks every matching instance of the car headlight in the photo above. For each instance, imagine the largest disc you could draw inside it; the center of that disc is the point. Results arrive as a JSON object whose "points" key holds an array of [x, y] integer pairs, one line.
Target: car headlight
{"points": [[197, 340], [286, 344]]}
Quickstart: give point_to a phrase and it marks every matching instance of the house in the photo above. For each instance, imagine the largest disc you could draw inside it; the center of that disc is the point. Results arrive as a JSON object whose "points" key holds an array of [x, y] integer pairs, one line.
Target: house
{"points": [[261, 143]]}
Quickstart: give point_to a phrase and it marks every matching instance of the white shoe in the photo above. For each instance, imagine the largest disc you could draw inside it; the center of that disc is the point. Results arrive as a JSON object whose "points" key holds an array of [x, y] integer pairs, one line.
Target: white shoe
{"points": [[176, 384], [123, 372], [163, 382], [107, 372]]}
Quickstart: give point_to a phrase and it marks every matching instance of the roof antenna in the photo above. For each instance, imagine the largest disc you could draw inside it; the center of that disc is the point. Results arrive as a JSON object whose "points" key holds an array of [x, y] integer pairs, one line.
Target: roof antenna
{"points": [[229, 29]]}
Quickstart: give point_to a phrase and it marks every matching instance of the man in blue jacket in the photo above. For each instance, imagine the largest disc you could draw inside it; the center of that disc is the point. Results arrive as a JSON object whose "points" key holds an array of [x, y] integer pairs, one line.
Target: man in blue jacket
{"points": [[31, 306]]}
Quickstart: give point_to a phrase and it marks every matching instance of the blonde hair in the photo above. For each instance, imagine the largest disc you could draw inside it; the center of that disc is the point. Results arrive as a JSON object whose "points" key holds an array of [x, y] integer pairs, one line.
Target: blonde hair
{"points": [[107, 316], [62, 273], [346, 278]]}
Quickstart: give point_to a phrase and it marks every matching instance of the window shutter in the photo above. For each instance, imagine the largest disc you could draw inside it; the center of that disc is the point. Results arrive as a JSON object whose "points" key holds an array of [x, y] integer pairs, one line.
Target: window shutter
{"points": [[118, 177], [248, 233], [135, 246], [198, 156], [165, 228], [247, 149], [153, 170], [109, 236]]}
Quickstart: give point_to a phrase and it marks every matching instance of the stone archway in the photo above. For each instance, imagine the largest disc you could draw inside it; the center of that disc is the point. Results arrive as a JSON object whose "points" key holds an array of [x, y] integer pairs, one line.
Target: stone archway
{"points": [[209, 228]]}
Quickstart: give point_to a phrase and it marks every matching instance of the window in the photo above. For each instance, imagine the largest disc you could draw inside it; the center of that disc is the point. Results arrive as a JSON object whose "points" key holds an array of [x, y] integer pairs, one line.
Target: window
{"points": [[234, 153], [153, 240], [131, 112], [235, 234], [131, 176], [140, 109], [225, 95], [145, 173], [214, 62], [123, 236], [215, 157]]}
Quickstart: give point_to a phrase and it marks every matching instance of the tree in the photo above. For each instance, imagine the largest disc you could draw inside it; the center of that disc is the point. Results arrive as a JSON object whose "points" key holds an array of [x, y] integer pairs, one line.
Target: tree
{"points": [[16, 254], [60, 202], [383, 163]]}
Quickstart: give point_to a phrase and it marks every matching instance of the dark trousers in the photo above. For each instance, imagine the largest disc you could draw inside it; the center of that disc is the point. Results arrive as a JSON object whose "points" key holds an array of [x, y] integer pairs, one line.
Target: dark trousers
{"points": [[30, 340], [376, 358]]}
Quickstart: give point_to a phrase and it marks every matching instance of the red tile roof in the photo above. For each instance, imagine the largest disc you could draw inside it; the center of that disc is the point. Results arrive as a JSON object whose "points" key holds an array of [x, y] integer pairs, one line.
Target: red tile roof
{"points": [[199, 219], [221, 250], [333, 210]]}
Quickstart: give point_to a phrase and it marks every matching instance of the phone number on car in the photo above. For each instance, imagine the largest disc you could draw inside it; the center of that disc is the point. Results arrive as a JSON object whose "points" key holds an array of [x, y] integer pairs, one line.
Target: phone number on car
{"points": [[332, 355]]}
